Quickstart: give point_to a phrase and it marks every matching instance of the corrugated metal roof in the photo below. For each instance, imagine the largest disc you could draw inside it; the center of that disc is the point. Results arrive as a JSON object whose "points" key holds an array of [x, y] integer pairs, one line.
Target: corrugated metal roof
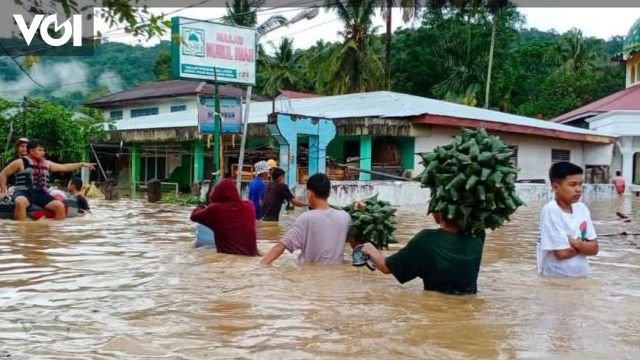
{"points": [[627, 99], [382, 104], [188, 118], [169, 88], [387, 104]]}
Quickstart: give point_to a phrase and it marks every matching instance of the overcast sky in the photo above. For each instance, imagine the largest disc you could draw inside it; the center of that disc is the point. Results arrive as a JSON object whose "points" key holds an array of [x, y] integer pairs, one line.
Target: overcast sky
{"points": [[599, 22]]}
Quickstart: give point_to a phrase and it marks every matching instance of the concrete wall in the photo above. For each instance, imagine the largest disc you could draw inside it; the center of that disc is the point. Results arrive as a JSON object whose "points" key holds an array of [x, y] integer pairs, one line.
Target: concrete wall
{"points": [[633, 70], [163, 105], [403, 193], [543, 192], [598, 154], [619, 123], [534, 153], [398, 193]]}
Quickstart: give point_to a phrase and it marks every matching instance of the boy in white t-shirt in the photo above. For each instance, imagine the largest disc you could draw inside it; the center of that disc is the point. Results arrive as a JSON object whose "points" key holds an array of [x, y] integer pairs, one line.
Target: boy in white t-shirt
{"points": [[567, 235]]}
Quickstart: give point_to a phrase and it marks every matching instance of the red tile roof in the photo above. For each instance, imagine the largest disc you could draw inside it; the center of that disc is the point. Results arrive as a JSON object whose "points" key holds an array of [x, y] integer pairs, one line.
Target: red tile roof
{"points": [[168, 88], [627, 99]]}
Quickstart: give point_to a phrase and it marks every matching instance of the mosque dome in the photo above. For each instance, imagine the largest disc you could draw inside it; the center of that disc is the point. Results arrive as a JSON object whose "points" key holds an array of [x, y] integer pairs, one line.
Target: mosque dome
{"points": [[632, 41]]}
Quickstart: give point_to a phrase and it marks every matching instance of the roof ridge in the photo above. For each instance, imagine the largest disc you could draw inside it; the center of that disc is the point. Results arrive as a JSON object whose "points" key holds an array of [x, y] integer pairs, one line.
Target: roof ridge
{"points": [[605, 101], [614, 97]]}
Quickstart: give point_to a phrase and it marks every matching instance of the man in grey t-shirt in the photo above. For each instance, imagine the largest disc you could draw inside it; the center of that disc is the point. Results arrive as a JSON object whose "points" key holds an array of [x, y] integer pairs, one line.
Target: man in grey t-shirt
{"points": [[320, 233]]}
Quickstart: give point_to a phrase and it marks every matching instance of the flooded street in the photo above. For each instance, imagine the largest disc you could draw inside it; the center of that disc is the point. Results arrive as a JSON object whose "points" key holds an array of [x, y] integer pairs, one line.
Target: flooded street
{"points": [[127, 283]]}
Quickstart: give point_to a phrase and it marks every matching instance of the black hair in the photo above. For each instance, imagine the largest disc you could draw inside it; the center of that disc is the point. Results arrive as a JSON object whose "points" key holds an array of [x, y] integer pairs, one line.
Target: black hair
{"points": [[277, 172], [560, 170], [320, 185], [618, 173], [34, 143], [76, 182]]}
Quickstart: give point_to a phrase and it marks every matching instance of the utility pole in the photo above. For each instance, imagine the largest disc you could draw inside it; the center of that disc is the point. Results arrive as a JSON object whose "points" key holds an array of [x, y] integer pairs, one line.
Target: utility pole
{"points": [[217, 130], [24, 116], [304, 14]]}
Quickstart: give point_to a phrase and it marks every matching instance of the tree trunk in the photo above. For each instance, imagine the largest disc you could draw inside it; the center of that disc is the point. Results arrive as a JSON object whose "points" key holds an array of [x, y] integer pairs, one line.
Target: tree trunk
{"points": [[387, 50], [488, 86]]}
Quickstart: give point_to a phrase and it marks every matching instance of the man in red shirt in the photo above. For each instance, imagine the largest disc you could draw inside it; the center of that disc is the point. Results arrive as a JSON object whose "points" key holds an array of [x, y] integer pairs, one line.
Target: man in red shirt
{"points": [[618, 182], [232, 220]]}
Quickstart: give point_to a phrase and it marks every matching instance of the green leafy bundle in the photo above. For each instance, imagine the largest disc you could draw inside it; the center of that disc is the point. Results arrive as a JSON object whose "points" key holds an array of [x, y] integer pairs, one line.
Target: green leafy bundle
{"points": [[372, 220], [472, 181]]}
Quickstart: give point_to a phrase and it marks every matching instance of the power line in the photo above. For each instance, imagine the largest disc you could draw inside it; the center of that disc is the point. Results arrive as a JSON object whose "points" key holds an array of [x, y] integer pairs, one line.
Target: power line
{"points": [[20, 66], [163, 15], [311, 27], [58, 84], [114, 32]]}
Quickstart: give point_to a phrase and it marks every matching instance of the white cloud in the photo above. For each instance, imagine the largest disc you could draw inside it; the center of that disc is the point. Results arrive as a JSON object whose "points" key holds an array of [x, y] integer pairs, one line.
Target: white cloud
{"points": [[111, 80], [59, 78]]}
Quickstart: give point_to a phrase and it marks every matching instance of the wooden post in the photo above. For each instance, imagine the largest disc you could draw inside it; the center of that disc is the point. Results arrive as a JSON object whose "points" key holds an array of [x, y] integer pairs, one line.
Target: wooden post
{"points": [[154, 190]]}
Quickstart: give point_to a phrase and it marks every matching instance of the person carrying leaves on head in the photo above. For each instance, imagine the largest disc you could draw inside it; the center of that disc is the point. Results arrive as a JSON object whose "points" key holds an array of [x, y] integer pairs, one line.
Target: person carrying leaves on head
{"points": [[472, 189]]}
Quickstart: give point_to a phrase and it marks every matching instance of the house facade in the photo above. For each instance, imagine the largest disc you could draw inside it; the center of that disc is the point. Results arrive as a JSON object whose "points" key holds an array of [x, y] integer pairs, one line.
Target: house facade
{"points": [[377, 135], [618, 114]]}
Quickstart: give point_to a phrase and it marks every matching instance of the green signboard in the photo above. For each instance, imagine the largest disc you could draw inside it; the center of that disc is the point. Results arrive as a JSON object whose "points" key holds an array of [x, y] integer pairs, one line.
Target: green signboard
{"points": [[210, 51]]}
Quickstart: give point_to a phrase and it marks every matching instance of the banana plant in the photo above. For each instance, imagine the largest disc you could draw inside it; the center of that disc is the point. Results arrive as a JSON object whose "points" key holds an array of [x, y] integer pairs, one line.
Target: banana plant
{"points": [[372, 220]]}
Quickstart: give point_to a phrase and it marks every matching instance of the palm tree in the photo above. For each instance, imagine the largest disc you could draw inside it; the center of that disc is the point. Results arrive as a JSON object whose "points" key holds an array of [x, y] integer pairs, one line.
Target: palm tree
{"points": [[575, 52], [494, 7], [281, 70], [410, 12], [357, 67], [244, 13]]}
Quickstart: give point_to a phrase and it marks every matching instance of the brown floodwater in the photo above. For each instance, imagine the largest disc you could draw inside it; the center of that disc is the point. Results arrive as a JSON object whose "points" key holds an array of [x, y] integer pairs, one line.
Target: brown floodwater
{"points": [[127, 283]]}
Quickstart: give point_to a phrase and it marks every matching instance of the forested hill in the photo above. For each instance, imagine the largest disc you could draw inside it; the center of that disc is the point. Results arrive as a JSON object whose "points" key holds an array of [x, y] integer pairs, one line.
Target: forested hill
{"points": [[71, 80]]}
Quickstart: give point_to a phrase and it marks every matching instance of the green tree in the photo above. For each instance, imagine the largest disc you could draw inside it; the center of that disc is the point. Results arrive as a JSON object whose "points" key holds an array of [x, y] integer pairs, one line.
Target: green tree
{"points": [[448, 54], [575, 52], [135, 18], [528, 68], [317, 66], [282, 71], [410, 12], [243, 13], [65, 134], [9, 132], [357, 64], [162, 66]]}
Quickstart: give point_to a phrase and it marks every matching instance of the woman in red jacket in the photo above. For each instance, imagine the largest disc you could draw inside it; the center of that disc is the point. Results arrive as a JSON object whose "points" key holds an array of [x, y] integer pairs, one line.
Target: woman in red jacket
{"points": [[231, 219]]}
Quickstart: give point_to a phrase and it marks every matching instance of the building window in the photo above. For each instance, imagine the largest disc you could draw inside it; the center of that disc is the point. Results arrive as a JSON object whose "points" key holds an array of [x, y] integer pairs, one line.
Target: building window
{"points": [[153, 167], [115, 115], [176, 108], [558, 155], [144, 112]]}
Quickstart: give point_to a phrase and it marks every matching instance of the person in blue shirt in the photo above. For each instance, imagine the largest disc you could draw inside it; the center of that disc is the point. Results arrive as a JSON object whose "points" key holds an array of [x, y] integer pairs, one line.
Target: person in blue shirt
{"points": [[257, 186]]}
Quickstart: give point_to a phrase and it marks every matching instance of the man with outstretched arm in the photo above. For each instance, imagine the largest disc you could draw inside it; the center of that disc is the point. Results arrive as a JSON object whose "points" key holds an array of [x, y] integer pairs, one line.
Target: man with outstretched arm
{"points": [[32, 181]]}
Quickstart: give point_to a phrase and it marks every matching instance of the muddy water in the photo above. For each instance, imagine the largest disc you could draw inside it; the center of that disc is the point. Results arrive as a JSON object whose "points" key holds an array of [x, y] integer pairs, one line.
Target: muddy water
{"points": [[126, 283]]}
